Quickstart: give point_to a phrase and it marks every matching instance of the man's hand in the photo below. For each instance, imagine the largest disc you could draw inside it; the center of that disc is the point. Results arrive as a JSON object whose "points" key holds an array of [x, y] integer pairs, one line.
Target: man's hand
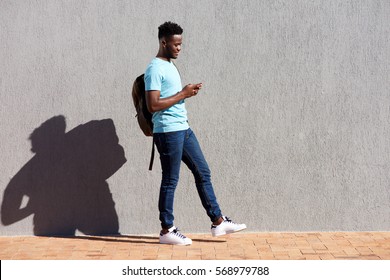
{"points": [[191, 89]]}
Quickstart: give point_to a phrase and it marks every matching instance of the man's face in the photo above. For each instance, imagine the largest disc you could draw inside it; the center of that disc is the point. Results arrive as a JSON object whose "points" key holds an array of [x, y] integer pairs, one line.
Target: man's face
{"points": [[172, 46]]}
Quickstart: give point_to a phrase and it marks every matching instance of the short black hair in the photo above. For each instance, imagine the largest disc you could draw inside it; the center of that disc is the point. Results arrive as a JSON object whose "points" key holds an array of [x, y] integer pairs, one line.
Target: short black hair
{"points": [[169, 29]]}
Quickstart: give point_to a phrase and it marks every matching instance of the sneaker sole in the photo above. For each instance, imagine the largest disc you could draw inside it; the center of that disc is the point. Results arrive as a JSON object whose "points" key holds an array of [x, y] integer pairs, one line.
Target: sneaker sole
{"points": [[179, 244], [228, 232]]}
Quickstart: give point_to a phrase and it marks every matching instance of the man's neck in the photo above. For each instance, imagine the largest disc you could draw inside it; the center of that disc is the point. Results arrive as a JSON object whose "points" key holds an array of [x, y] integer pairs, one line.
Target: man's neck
{"points": [[162, 56]]}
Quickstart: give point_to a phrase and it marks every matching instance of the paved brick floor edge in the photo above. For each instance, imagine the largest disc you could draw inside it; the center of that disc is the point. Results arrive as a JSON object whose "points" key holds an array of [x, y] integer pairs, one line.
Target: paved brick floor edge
{"points": [[239, 246]]}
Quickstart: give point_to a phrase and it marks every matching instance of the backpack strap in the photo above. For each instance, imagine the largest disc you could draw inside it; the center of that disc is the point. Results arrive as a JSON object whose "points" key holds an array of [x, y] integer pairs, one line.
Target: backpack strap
{"points": [[151, 156]]}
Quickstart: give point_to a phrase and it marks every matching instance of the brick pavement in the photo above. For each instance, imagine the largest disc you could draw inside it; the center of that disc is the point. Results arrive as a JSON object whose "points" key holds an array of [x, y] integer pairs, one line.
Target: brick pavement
{"points": [[265, 246]]}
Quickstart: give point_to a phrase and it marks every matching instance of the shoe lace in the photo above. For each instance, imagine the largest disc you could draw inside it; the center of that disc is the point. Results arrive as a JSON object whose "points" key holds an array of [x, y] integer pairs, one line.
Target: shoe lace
{"points": [[177, 233], [227, 219]]}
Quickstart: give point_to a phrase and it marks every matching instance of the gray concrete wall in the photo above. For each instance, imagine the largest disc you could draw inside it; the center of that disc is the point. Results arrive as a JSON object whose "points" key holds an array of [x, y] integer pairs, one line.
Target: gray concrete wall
{"points": [[293, 118]]}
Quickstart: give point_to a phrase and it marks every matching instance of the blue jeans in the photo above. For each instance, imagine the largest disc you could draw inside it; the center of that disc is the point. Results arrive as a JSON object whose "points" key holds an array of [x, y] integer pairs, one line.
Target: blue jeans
{"points": [[175, 147]]}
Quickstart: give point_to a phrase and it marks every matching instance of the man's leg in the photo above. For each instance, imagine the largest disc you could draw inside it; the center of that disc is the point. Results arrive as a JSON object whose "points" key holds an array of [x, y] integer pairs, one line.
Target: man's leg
{"points": [[194, 159], [170, 147]]}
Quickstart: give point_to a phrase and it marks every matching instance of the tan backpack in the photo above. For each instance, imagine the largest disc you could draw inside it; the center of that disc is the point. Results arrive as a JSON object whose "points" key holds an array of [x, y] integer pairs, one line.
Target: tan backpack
{"points": [[144, 117]]}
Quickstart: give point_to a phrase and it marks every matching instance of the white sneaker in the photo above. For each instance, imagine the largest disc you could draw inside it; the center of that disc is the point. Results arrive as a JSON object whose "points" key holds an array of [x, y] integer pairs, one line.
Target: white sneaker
{"points": [[226, 227], [174, 237]]}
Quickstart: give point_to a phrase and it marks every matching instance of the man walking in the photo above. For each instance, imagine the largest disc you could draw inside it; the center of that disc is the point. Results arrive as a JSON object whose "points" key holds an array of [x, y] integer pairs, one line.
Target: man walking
{"points": [[174, 139]]}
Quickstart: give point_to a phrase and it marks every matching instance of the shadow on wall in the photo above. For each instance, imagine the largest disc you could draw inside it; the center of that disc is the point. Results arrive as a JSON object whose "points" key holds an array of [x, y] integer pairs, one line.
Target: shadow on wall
{"points": [[64, 184]]}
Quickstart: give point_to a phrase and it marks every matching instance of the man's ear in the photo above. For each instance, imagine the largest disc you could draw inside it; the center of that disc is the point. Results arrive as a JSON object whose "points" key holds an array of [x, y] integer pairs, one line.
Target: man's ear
{"points": [[163, 42]]}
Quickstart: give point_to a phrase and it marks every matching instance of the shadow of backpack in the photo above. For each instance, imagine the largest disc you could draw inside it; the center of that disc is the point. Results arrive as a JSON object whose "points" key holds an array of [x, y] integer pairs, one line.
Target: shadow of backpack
{"points": [[144, 117]]}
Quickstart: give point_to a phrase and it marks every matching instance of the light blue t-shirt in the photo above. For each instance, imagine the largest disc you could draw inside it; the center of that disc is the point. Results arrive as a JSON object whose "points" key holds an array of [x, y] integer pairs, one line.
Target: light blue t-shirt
{"points": [[163, 76]]}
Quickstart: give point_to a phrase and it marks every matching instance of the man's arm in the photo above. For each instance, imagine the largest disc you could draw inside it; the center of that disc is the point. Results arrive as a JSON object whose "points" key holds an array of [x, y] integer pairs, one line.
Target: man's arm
{"points": [[155, 103]]}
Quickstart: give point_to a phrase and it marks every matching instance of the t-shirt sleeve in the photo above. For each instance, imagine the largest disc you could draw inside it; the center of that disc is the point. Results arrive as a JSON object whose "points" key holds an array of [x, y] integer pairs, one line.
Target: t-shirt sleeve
{"points": [[153, 79]]}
